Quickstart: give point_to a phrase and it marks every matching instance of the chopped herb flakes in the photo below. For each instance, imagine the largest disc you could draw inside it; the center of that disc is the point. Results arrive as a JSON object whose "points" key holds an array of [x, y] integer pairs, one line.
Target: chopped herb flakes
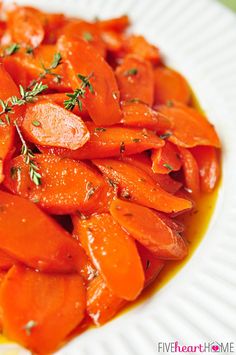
{"points": [[136, 140], [165, 135], [87, 36], [167, 166], [36, 123], [13, 48], [131, 72], [100, 129]]}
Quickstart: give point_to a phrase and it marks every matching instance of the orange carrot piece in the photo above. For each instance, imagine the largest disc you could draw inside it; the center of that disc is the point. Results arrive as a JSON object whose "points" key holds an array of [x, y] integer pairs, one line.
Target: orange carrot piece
{"points": [[25, 26], [140, 46], [170, 85], [152, 266], [49, 124], [52, 24], [135, 79], [112, 141], [113, 41], [32, 237], [191, 171], [118, 24], [189, 127], [166, 159], [209, 167], [102, 304], [6, 261], [172, 223], [35, 304], [149, 229], [138, 114], [143, 162], [136, 185], [89, 32], [102, 102], [113, 252], [67, 185]]}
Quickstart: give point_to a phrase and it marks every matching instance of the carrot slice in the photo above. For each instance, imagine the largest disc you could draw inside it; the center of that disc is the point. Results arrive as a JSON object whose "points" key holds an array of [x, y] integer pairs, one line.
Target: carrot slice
{"points": [[143, 162], [170, 85], [152, 266], [30, 236], [118, 24], [25, 26], [166, 159], [189, 127], [136, 185], [209, 167], [113, 252], [191, 171], [67, 185], [34, 304], [102, 304], [103, 103], [6, 261], [138, 114], [140, 46], [49, 124], [149, 229], [135, 79]]}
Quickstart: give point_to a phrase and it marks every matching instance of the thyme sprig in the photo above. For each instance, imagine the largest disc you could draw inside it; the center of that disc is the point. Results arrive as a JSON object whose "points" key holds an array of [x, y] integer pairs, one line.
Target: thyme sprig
{"points": [[79, 93]]}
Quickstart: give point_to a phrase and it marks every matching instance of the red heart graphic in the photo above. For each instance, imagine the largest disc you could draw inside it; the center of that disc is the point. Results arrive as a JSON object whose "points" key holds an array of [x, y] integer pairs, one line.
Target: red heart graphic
{"points": [[215, 347]]}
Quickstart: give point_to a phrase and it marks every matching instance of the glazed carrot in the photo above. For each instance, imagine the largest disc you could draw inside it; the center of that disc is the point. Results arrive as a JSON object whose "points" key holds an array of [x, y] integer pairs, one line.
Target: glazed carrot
{"points": [[118, 24], [31, 321], [143, 162], [209, 167], [49, 124], [170, 85], [140, 46], [138, 114], [166, 159], [112, 141], [172, 223], [25, 26], [24, 68], [102, 304], [189, 127], [191, 171], [87, 31], [32, 237], [102, 102], [135, 79], [6, 261], [113, 252], [136, 185], [152, 266], [113, 41], [149, 229], [67, 185]]}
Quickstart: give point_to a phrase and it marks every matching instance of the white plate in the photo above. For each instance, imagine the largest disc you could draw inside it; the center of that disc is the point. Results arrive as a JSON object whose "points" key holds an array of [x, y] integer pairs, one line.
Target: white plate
{"points": [[198, 305]]}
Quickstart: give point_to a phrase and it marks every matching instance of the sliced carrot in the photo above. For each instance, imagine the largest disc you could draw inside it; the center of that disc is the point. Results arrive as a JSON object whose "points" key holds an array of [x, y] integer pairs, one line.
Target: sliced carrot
{"points": [[140, 46], [6, 261], [103, 102], [113, 41], [49, 124], [166, 159], [152, 266], [143, 162], [113, 252], [34, 304], [191, 171], [139, 114], [172, 223], [149, 229], [52, 24], [170, 85], [112, 141], [25, 26], [135, 79], [118, 24], [87, 31], [102, 304], [189, 127], [209, 167], [67, 185], [32, 237], [136, 185]]}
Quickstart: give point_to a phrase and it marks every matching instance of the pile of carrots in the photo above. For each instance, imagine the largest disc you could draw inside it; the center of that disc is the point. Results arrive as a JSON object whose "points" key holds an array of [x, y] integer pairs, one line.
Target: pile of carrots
{"points": [[101, 150]]}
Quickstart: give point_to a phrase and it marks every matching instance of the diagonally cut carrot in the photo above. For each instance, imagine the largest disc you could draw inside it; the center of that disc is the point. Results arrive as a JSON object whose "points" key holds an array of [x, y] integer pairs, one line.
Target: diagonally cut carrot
{"points": [[166, 159], [140, 46], [137, 186], [32, 237], [35, 304], [113, 252], [149, 229], [191, 171]]}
